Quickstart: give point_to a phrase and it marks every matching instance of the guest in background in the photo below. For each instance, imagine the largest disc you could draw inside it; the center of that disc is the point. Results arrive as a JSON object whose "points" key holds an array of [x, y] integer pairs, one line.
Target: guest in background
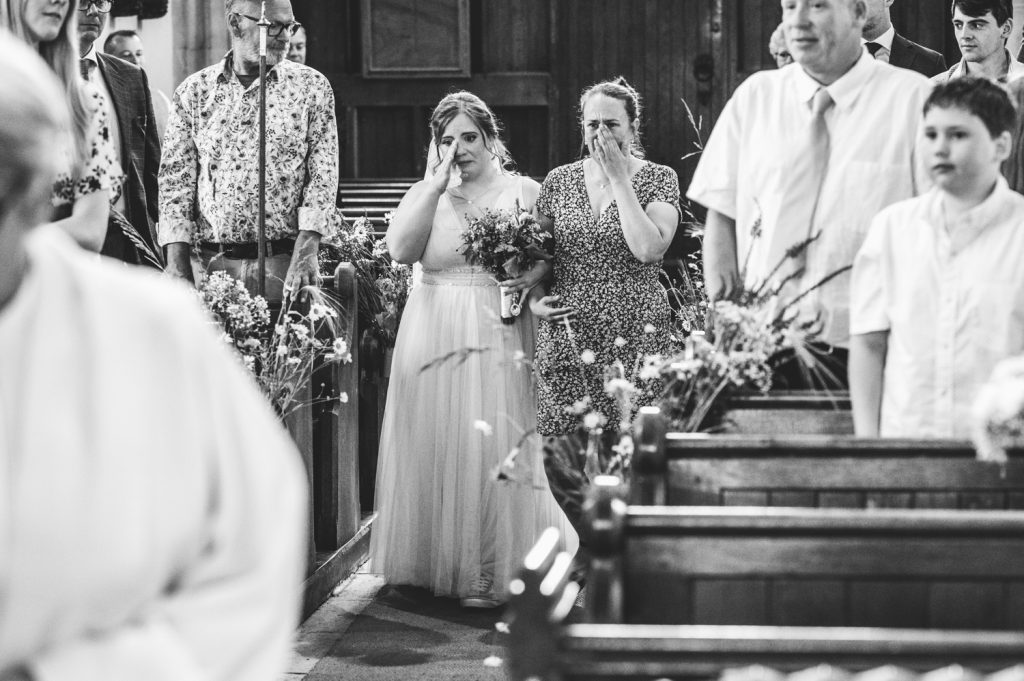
{"points": [[778, 49], [613, 215], [982, 28], [153, 518], [91, 177], [1013, 168], [885, 44], [938, 290], [209, 174], [808, 151], [297, 46], [127, 44], [124, 91], [444, 521]]}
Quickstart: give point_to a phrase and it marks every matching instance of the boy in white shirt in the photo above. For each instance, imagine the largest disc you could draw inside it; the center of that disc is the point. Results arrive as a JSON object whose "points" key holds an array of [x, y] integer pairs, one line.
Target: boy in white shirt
{"points": [[937, 295]]}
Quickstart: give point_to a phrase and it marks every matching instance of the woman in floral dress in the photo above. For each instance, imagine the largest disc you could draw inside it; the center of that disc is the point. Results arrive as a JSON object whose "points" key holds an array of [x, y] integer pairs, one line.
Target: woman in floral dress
{"points": [[92, 176], [613, 215]]}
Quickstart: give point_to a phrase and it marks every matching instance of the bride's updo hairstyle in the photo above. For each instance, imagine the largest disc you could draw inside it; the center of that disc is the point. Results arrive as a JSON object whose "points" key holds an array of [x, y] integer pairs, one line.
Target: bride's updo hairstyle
{"points": [[621, 90], [467, 103]]}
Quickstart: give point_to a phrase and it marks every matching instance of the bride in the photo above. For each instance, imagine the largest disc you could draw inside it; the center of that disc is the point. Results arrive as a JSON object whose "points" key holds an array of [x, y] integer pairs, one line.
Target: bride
{"points": [[444, 522]]}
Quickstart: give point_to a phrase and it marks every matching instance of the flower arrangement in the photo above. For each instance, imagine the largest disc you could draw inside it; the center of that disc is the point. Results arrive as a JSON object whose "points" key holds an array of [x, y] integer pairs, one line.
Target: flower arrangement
{"points": [[281, 358], [383, 283], [998, 413], [506, 244]]}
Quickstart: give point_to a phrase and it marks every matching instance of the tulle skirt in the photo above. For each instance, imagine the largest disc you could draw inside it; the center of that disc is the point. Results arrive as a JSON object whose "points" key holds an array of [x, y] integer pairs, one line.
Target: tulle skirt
{"points": [[461, 399]]}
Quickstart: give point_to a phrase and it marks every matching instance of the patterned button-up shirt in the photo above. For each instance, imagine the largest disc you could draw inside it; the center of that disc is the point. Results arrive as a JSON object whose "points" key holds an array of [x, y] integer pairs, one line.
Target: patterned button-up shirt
{"points": [[209, 175]]}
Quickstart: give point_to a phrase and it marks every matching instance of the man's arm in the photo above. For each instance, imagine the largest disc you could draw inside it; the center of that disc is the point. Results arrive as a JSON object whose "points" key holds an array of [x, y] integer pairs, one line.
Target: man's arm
{"points": [[721, 264], [867, 367], [178, 178], [319, 197]]}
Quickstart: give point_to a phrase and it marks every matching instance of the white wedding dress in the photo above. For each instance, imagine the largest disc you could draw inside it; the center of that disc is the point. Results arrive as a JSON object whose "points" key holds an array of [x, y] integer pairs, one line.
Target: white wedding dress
{"points": [[443, 520]]}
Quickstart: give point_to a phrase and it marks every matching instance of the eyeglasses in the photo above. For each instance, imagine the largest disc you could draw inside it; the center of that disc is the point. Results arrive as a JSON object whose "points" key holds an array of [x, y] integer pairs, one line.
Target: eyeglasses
{"points": [[101, 6], [274, 30]]}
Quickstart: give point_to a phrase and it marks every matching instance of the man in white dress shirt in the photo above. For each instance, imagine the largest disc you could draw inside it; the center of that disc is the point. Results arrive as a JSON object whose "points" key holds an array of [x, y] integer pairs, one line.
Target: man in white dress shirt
{"points": [[152, 509], [761, 143]]}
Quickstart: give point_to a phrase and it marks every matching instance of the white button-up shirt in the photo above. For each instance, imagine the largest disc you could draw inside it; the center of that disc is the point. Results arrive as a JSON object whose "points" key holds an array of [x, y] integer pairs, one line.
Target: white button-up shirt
{"points": [[951, 298], [152, 508], [873, 130]]}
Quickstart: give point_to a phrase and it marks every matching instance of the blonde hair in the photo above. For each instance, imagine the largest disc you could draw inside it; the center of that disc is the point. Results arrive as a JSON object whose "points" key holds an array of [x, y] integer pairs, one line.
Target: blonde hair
{"points": [[61, 54], [33, 112]]}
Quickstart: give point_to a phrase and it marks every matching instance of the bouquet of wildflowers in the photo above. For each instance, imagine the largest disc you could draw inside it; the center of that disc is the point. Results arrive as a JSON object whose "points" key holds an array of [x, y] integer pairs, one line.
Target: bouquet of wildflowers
{"points": [[281, 358], [506, 244], [998, 423]]}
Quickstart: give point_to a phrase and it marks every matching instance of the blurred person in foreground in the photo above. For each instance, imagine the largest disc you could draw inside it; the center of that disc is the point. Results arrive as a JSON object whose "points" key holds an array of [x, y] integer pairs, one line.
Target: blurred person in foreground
{"points": [[127, 44], [209, 175], [152, 522]]}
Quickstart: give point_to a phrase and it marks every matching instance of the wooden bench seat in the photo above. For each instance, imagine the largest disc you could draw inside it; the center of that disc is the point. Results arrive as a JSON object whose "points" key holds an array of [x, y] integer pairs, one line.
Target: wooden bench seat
{"points": [[816, 471], [801, 412], [542, 646]]}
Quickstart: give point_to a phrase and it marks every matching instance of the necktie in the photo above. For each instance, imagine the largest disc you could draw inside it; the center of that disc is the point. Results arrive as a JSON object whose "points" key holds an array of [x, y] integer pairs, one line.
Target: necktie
{"points": [[801, 191], [85, 65], [873, 48]]}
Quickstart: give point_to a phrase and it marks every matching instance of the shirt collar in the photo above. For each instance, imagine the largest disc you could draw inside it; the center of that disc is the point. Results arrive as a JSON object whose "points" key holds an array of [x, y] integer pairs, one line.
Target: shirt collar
{"points": [[844, 92], [885, 40], [970, 225], [227, 70], [91, 55], [1014, 71]]}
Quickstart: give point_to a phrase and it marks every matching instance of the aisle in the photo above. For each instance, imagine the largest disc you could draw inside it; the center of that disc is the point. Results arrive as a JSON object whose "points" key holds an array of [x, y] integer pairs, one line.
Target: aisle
{"points": [[373, 632]]}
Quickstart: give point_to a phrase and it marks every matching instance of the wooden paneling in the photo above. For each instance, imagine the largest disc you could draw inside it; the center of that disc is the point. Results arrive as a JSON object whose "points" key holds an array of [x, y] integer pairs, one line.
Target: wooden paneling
{"points": [[415, 38], [519, 36], [386, 143]]}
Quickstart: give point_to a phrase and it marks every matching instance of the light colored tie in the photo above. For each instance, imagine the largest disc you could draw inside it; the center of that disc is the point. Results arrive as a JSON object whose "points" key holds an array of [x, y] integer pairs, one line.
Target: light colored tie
{"points": [[801, 190]]}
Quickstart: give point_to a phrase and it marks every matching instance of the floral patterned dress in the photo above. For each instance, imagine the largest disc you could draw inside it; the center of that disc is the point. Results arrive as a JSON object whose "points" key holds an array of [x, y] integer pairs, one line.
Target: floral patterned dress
{"points": [[622, 312], [101, 171]]}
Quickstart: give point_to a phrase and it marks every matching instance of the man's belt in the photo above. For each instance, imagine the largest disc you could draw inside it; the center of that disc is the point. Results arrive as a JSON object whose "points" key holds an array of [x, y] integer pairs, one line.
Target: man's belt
{"points": [[249, 251]]}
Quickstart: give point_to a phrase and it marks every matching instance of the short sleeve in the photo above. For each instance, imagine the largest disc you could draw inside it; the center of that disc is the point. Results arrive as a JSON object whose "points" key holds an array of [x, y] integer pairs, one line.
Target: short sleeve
{"points": [[715, 180], [101, 170], [549, 189], [664, 188], [869, 302]]}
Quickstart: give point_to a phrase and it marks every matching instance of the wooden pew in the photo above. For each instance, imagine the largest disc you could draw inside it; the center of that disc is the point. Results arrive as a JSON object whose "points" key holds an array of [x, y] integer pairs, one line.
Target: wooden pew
{"points": [[543, 646], [802, 412], [816, 471], [372, 198]]}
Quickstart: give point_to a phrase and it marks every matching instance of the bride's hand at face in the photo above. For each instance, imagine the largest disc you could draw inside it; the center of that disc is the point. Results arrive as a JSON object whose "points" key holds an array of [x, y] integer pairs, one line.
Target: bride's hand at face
{"points": [[444, 171]]}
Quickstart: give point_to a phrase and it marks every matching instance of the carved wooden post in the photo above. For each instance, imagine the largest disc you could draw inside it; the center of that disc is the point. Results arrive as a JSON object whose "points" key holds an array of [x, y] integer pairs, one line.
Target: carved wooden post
{"points": [[647, 487], [541, 597], [605, 514], [336, 479]]}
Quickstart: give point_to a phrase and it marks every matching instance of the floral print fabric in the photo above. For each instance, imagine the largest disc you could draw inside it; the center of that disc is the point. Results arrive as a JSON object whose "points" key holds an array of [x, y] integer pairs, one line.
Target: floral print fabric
{"points": [[102, 170], [622, 312], [209, 174]]}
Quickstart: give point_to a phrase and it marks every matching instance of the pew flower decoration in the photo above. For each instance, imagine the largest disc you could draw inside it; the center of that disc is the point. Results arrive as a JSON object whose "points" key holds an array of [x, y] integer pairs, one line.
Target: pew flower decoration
{"points": [[998, 414], [506, 244], [383, 283], [281, 357]]}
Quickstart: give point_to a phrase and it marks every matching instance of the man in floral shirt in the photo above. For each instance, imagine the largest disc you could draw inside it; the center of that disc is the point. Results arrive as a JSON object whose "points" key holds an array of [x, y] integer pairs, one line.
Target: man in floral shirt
{"points": [[209, 174]]}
